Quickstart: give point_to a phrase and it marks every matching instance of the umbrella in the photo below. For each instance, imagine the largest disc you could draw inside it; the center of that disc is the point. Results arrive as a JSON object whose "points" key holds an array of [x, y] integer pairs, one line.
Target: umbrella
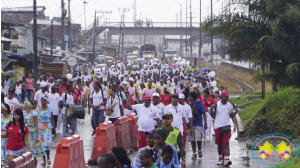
{"points": [[10, 73], [201, 77], [205, 69]]}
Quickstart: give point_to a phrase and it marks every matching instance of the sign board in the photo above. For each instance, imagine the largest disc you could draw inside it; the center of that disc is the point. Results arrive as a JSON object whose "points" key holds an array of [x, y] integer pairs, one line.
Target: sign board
{"points": [[66, 37], [72, 61], [22, 41]]}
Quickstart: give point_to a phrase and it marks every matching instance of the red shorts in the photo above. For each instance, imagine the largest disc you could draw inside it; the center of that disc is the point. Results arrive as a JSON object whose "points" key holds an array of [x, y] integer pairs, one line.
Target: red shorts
{"points": [[222, 138], [142, 139]]}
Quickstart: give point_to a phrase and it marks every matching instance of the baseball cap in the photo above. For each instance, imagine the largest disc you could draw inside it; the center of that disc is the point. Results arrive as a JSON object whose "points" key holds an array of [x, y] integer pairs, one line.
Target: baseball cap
{"points": [[150, 132], [225, 94], [167, 115], [181, 96], [147, 97], [131, 79], [175, 96], [44, 84], [155, 95], [38, 83]]}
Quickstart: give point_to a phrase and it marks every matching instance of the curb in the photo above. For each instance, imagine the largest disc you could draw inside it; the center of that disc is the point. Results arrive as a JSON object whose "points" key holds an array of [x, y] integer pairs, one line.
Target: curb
{"points": [[240, 127]]}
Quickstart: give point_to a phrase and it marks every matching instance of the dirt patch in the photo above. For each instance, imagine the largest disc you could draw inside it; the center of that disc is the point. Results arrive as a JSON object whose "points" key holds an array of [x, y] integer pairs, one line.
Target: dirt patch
{"points": [[230, 85]]}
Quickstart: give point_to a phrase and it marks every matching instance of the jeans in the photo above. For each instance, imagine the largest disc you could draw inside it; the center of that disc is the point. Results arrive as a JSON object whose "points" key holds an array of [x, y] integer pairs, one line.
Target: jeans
{"points": [[83, 103], [65, 125], [98, 117], [29, 93], [19, 97]]}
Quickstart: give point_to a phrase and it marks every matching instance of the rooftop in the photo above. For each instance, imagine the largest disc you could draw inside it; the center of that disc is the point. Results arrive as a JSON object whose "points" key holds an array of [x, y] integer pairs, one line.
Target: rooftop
{"points": [[25, 8]]}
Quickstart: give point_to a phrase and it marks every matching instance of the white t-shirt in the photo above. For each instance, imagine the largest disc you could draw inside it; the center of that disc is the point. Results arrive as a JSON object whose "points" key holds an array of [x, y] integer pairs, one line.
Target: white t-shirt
{"points": [[118, 101], [146, 116], [86, 78], [223, 114], [53, 102], [177, 116], [13, 102], [38, 95], [69, 101], [98, 98], [160, 108], [187, 112], [18, 89]]}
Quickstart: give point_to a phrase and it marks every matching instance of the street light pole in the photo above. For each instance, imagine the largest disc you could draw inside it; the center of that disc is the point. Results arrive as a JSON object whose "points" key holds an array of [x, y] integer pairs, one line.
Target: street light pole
{"points": [[200, 39], [35, 74]]}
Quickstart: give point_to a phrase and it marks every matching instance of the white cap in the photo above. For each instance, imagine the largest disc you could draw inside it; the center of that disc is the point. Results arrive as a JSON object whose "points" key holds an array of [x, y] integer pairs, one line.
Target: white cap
{"points": [[131, 79], [44, 84], [124, 83], [181, 96], [216, 89], [155, 94], [38, 83]]}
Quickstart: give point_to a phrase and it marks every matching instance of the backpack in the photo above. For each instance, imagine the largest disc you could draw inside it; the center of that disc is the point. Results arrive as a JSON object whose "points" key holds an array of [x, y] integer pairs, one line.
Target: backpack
{"points": [[61, 106], [194, 111], [101, 93], [158, 165]]}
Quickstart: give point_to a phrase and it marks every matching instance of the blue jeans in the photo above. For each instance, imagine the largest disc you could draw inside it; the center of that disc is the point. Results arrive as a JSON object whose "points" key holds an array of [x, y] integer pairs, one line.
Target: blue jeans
{"points": [[29, 93], [19, 97], [65, 125], [98, 117]]}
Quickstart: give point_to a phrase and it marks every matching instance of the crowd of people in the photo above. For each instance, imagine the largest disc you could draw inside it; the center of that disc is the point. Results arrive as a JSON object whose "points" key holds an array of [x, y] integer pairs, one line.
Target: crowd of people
{"points": [[175, 104]]}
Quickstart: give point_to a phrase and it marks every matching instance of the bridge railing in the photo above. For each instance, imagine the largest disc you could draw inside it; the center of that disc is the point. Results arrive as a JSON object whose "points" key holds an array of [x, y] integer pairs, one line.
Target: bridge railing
{"points": [[150, 24]]}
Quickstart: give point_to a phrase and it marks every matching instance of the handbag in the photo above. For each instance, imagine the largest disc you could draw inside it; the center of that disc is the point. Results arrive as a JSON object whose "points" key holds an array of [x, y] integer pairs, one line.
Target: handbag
{"points": [[225, 129]]}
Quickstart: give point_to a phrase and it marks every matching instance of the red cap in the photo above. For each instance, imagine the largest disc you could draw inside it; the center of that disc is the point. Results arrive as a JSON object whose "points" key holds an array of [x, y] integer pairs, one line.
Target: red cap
{"points": [[147, 97], [225, 94], [94, 80]]}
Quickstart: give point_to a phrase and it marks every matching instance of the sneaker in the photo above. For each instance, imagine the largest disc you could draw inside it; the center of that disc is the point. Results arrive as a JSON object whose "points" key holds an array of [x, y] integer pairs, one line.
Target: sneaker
{"points": [[194, 157], [93, 134], [200, 154], [220, 162], [228, 162]]}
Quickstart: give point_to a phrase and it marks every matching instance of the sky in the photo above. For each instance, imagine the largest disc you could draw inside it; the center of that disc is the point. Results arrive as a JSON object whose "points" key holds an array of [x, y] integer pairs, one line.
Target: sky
{"points": [[156, 10]]}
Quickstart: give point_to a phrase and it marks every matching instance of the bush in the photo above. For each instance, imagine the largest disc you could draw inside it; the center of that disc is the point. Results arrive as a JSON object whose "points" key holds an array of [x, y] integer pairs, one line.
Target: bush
{"points": [[279, 114]]}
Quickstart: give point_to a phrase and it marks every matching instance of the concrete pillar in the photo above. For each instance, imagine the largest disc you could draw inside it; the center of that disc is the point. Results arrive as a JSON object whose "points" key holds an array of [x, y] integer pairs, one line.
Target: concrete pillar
{"points": [[109, 39]]}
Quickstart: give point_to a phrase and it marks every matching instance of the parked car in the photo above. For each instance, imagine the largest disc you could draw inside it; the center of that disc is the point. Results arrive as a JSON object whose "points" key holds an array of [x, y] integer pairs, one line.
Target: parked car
{"points": [[100, 68], [108, 60]]}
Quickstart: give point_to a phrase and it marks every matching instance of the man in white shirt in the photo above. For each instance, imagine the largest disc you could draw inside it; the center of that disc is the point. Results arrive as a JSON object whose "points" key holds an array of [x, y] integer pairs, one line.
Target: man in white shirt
{"points": [[39, 94], [160, 106], [10, 100], [178, 114], [222, 111], [114, 103], [187, 114], [54, 99], [98, 101], [146, 113], [66, 99]]}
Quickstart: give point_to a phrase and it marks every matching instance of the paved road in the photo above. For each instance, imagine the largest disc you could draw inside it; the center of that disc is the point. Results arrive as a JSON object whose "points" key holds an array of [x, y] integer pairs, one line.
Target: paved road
{"points": [[209, 149]]}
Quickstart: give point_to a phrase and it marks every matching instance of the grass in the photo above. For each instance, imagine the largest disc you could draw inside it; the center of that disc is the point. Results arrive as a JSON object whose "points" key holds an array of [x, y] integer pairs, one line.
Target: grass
{"points": [[279, 113], [295, 163], [250, 105]]}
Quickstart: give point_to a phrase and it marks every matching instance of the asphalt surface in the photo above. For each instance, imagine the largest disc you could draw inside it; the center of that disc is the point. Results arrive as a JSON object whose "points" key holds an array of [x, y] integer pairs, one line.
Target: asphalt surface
{"points": [[209, 149]]}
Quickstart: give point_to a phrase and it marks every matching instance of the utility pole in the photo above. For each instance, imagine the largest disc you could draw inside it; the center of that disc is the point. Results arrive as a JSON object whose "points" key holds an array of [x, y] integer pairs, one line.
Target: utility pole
{"points": [[134, 8], [86, 55], [69, 27], [94, 39], [123, 24], [211, 38], [51, 44], [34, 41], [191, 19], [200, 39], [62, 27], [186, 39]]}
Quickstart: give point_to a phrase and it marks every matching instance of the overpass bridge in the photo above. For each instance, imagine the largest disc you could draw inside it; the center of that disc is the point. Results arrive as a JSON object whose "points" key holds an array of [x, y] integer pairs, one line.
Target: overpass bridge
{"points": [[155, 28]]}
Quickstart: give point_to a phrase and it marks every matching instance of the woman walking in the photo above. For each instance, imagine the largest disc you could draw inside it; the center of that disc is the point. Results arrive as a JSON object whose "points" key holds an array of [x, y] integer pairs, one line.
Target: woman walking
{"points": [[32, 121], [46, 123], [5, 119], [17, 134], [29, 86]]}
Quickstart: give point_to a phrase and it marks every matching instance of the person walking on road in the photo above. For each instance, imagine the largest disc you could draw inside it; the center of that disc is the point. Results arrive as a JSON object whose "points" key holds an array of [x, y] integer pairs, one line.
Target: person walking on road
{"points": [[98, 101], [32, 121], [146, 113], [29, 83], [197, 126], [188, 116], [107, 161], [149, 90], [150, 144], [5, 119], [195, 61], [66, 99], [208, 102], [115, 104], [160, 106], [121, 156], [46, 123], [222, 111]]}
